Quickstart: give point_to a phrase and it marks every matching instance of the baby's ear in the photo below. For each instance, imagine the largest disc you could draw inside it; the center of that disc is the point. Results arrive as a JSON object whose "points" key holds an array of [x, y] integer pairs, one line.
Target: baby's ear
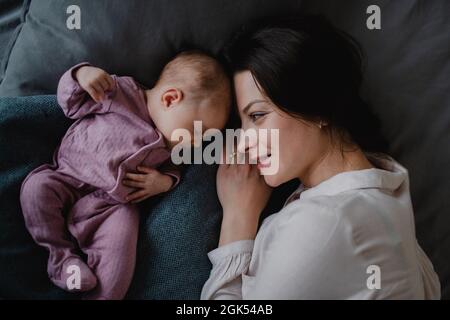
{"points": [[171, 97]]}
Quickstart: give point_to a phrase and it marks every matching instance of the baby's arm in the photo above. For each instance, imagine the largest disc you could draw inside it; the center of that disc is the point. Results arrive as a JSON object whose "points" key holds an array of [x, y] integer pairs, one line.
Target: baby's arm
{"points": [[149, 182], [81, 91]]}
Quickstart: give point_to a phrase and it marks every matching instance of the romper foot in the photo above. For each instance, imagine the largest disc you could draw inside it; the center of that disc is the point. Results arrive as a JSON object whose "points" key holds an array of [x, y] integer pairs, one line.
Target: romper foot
{"points": [[75, 276]]}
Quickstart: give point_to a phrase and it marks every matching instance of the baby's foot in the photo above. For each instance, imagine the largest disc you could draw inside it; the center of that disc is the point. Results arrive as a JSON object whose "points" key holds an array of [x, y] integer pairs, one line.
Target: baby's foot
{"points": [[75, 276]]}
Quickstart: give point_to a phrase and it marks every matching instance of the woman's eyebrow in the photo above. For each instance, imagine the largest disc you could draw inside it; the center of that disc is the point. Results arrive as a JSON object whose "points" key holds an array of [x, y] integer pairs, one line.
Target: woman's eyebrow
{"points": [[251, 103]]}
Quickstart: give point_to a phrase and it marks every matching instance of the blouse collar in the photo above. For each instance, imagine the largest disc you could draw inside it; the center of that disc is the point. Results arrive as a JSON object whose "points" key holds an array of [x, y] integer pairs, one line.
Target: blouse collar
{"points": [[388, 175]]}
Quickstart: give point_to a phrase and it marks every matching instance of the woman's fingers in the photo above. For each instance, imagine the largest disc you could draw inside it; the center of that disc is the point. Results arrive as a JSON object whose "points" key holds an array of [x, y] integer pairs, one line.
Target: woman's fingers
{"points": [[225, 157], [240, 166], [243, 158], [237, 162]]}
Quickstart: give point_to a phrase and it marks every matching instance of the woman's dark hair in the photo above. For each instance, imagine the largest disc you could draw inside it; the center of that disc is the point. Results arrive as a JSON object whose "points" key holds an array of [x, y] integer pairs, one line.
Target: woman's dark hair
{"points": [[311, 70]]}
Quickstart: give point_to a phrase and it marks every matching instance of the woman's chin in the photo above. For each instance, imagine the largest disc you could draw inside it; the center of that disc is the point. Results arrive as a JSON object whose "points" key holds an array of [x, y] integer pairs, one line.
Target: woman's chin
{"points": [[272, 180]]}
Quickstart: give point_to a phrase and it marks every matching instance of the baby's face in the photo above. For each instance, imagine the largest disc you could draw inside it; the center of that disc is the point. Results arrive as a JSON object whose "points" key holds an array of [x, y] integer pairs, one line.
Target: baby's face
{"points": [[211, 113]]}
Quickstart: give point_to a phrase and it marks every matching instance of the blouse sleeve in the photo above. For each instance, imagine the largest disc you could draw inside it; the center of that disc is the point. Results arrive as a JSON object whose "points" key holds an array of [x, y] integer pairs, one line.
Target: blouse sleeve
{"points": [[307, 253], [229, 262], [431, 284]]}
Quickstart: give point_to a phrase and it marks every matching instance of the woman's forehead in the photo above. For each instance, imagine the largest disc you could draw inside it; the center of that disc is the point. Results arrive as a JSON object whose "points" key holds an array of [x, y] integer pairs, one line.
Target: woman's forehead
{"points": [[246, 89]]}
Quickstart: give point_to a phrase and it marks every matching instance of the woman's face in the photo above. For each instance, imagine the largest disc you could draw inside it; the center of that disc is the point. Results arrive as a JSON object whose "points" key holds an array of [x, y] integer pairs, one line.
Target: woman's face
{"points": [[301, 144]]}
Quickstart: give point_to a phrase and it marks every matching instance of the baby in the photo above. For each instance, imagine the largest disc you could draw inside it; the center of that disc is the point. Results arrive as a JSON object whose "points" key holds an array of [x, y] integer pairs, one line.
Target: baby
{"points": [[115, 154]]}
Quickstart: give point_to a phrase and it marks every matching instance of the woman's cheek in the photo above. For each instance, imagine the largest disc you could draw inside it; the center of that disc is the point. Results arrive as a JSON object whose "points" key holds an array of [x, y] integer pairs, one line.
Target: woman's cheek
{"points": [[276, 177]]}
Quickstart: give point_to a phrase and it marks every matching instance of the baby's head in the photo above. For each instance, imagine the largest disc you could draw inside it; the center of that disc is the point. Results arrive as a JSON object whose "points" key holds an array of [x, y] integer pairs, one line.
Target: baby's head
{"points": [[192, 87]]}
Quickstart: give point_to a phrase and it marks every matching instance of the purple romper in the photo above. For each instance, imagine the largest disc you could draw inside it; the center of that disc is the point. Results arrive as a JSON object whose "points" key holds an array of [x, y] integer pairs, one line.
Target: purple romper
{"points": [[78, 201]]}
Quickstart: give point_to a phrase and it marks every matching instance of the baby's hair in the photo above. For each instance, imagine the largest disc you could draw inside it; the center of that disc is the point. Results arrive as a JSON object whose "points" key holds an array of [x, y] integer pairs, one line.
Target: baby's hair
{"points": [[204, 74]]}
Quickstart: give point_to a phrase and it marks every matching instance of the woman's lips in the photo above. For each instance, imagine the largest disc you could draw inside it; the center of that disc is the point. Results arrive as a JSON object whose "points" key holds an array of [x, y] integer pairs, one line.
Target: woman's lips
{"points": [[263, 162]]}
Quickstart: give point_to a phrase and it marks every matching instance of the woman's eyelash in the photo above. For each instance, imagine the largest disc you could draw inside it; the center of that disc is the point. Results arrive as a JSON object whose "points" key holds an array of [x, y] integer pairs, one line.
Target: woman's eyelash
{"points": [[256, 115]]}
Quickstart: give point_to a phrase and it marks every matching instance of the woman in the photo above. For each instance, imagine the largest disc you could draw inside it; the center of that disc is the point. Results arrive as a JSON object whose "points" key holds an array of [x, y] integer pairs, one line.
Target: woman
{"points": [[348, 231]]}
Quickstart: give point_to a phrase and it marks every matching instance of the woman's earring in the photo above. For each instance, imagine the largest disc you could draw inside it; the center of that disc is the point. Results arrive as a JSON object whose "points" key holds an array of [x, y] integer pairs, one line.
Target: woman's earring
{"points": [[322, 124]]}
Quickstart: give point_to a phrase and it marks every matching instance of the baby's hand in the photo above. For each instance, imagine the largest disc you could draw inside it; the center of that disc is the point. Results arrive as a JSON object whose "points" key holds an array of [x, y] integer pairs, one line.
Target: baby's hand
{"points": [[149, 182], [94, 81]]}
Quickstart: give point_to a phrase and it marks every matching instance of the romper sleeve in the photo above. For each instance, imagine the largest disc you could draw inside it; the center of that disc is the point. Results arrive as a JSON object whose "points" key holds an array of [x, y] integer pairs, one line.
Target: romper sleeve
{"points": [[74, 100], [173, 171], [229, 262]]}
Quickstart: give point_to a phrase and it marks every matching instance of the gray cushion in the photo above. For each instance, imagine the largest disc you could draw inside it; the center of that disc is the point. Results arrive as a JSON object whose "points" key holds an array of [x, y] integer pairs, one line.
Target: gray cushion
{"points": [[10, 20], [133, 37]]}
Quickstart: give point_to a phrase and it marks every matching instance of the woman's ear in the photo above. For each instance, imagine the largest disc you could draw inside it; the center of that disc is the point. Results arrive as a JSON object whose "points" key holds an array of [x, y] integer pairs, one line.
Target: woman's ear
{"points": [[171, 97]]}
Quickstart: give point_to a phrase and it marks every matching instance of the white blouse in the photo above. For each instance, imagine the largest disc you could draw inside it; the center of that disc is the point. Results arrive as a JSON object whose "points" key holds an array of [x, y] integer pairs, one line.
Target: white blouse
{"points": [[350, 237]]}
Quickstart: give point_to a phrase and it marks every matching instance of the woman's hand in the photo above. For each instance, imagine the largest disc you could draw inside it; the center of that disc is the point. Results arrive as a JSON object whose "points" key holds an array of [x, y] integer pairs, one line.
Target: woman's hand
{"points": [[94, 81], [149, 182], [243, 195]]}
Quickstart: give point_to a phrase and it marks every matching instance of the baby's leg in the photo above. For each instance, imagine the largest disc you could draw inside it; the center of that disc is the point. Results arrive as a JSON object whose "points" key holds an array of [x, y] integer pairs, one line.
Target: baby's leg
{"points": [[45, 196], [107, 232]]}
